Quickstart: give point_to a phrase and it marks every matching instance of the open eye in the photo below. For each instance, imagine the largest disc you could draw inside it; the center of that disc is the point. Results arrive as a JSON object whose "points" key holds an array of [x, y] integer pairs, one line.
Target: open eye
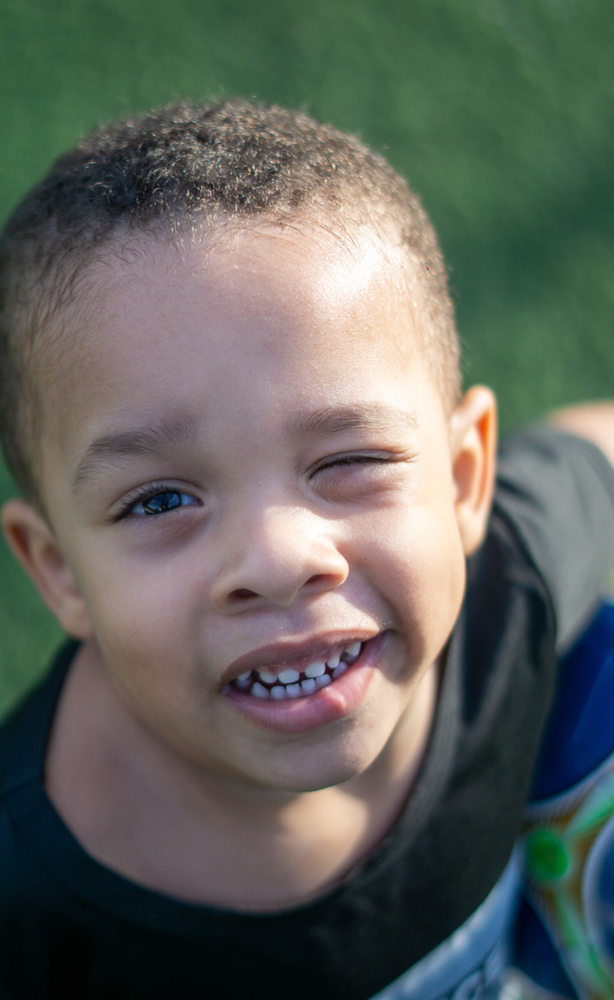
{"points": [[161, 503], [153, 500]]}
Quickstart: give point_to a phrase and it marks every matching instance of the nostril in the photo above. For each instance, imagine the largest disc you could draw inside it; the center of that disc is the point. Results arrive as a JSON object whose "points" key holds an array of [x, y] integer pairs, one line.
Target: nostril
{"points": [[242, 594], [317, 579]]}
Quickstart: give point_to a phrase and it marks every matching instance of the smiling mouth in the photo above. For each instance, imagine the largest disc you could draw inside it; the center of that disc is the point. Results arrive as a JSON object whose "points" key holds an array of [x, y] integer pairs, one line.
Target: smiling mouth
{"points": [[289, 683]]}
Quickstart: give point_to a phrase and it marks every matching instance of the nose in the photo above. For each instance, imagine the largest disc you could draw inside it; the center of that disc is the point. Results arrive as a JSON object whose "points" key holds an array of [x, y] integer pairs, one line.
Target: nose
{"points": [[274, 558]]}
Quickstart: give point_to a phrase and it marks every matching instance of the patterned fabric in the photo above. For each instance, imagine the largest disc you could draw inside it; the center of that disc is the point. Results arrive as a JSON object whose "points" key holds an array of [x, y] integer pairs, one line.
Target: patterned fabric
{"points": [[569, 829], [471, 962]]}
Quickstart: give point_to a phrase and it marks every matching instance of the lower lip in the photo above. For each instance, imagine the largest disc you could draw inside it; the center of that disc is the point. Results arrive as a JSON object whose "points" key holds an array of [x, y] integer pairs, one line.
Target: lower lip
{"points": [[331, 703]]}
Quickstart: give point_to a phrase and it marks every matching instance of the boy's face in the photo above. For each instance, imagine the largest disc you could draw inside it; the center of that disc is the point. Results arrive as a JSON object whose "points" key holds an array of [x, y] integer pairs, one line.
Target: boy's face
{"points": [[248, 468]]}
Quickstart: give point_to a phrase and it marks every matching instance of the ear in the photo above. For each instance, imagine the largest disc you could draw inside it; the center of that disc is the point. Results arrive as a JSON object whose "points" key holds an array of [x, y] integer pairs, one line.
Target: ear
{"points": [[34, 544], [473, 429]]}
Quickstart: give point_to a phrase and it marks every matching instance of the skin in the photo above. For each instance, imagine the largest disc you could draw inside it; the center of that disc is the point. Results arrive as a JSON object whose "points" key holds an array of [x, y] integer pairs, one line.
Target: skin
{"points": [[593, 421], [294, 534]]}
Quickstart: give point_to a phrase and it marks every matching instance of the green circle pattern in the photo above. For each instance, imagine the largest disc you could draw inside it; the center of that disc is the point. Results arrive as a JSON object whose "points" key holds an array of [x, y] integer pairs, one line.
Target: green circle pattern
{"points": [[547, 856]]}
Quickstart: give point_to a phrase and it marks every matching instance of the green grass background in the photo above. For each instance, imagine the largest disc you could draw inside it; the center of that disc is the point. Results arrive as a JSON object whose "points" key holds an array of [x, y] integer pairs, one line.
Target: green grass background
{"points": [[501, 113]]}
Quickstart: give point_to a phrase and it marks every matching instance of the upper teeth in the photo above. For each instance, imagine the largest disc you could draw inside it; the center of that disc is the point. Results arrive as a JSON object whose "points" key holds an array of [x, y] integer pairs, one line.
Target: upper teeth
{"points": [[315, 669], [288, 676], [291, 683], [267, 677]]}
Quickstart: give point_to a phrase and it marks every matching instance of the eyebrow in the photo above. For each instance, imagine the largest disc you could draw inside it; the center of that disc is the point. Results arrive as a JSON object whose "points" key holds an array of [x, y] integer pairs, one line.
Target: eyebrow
{"points": [[337, 419], [141, 441], [157, 439]]}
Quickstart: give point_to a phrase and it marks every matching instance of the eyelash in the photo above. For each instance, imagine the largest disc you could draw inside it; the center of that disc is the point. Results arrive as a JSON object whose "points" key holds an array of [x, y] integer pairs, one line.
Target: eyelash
{"points": [[128, 505], [353, 460]]}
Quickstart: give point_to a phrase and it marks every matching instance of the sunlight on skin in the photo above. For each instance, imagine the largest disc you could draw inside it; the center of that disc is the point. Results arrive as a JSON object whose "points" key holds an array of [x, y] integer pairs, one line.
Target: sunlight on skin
{"points": [[300, 534]]}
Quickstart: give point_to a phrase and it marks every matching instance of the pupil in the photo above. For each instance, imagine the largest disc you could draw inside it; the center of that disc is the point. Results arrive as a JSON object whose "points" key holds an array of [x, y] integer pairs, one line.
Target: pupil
{"points": [[162, 502]]}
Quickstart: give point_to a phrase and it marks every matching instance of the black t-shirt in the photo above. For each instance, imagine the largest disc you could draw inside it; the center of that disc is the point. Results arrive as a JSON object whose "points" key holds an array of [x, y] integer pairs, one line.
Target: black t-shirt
{"points": [[425, 914]]}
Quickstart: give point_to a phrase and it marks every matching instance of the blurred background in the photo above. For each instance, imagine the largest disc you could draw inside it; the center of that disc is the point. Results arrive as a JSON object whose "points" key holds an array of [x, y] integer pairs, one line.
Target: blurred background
{"points": [[500, 112]]}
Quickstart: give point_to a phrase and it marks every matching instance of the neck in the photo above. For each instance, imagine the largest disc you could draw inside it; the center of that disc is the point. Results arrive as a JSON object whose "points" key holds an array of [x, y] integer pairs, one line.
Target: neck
{"points": [[130, 799]]}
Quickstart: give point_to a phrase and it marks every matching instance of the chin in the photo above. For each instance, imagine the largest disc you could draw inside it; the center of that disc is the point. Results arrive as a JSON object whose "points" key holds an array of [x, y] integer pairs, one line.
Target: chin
{"points": [[337, 768]]}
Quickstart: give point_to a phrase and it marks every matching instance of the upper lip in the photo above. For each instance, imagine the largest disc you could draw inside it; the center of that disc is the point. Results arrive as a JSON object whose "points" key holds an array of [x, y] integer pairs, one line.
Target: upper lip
{"points": [[277, 653]]}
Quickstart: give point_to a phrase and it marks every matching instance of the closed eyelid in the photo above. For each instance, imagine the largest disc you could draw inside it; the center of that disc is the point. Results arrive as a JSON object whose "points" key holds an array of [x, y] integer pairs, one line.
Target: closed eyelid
{"points": [[365, 456], [348, 460]]}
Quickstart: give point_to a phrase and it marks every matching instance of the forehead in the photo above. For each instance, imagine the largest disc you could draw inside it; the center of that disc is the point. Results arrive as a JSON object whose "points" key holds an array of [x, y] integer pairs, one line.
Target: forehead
{"points": [[295, 276], [246, 315], [325, 265]]}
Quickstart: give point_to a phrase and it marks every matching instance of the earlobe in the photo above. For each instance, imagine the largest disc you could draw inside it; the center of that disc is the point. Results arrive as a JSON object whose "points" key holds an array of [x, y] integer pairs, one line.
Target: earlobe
{"points": [[473, 443], [33, 543]]}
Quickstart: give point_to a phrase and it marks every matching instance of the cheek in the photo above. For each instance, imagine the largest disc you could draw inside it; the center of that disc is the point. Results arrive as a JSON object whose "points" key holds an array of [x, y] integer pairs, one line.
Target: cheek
{"points": [[143, 614], [422, 574], [152, 665]]}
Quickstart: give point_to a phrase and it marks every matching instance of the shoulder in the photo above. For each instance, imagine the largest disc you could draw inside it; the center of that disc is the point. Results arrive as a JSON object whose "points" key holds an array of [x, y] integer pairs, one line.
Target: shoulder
{"points": [[24, 733], [533, 459], [555, 491], [25, 885]]}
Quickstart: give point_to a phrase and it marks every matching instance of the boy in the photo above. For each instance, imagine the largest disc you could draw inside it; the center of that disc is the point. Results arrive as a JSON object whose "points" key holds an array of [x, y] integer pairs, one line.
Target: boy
{"points": [[288, 754]]}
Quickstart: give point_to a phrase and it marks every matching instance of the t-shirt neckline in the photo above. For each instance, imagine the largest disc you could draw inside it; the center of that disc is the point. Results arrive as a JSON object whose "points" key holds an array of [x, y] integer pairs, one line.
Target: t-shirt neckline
{"points": [[59, 851]]}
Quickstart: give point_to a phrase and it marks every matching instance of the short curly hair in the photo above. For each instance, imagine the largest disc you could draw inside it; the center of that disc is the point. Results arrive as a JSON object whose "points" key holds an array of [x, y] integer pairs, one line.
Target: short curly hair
{"points": [[194, 164]]}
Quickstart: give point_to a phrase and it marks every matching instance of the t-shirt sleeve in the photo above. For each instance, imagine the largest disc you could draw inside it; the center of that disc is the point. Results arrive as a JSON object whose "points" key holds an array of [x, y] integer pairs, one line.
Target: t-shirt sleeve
{"points": [[558, 492]]}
